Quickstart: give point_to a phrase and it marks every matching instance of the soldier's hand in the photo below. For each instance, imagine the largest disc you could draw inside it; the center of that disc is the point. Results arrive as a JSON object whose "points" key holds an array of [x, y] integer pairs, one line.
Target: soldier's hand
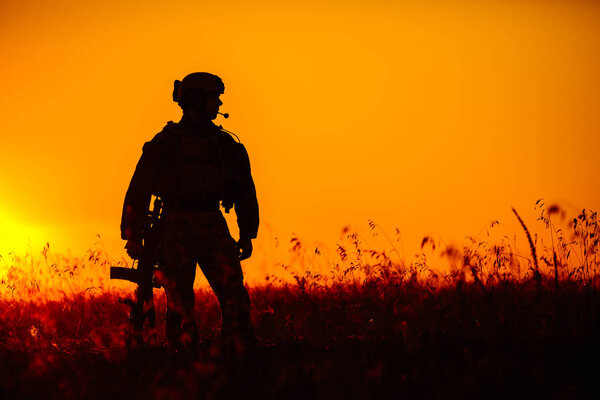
{"points": [[244, 247], [134, 249]]}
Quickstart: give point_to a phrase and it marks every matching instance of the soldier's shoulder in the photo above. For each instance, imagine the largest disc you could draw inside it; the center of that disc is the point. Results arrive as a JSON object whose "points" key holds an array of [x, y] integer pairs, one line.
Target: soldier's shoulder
{"points": [[169, 130], [162, 138], [237, 150], [229, 137]]}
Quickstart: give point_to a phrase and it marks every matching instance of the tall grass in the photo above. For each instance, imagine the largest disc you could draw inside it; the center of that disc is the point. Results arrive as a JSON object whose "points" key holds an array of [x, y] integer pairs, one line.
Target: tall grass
{"points": [[572, 256]]}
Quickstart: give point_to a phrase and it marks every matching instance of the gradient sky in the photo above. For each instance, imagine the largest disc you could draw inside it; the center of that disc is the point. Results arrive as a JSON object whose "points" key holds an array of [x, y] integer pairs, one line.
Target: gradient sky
{"points": [[427, 116]]}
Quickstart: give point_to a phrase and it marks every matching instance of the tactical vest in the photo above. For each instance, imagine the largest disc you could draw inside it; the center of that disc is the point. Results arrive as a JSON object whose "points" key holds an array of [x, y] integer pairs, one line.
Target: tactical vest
{"points": [[189, 175]]}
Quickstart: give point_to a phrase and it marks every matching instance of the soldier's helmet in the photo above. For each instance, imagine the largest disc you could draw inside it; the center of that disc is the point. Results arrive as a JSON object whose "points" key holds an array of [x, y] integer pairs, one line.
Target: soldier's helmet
{"points": [[197, 83]]}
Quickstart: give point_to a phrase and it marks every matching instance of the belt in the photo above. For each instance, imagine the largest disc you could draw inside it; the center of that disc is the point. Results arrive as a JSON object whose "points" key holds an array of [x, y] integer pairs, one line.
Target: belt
{"points": [[194, 205]]}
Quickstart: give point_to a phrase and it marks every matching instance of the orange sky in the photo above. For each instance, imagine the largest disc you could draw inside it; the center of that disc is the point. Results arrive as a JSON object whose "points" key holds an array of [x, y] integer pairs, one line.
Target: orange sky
{"points": [[427, 116]]}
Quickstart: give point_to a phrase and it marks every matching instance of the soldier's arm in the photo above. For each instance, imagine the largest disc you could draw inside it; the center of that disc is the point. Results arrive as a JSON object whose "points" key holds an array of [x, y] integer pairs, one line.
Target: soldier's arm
{"points": [[137, 198], [246, 204]]}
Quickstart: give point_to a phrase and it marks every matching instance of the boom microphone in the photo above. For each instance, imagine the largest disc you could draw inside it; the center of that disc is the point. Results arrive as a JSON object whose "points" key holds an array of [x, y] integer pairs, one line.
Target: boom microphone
{"points": [[226, 115]]}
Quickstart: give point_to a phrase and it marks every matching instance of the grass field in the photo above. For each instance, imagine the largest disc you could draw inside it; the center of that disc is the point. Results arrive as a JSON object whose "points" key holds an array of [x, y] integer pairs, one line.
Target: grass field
{"points": [[492, 324]]}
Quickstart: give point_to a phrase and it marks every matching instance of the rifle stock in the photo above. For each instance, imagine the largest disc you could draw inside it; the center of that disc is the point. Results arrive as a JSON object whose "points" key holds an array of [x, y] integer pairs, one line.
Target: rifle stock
{"points": [[132, 275]]}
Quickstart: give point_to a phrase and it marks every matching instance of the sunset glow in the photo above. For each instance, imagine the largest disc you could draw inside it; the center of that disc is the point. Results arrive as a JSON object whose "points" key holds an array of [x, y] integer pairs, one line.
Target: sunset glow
{"points": [[19, 236]]}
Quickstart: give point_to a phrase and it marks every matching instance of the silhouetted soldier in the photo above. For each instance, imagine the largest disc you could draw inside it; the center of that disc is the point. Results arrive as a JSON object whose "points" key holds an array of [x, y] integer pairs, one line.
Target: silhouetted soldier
{"points": [[195, 166]]}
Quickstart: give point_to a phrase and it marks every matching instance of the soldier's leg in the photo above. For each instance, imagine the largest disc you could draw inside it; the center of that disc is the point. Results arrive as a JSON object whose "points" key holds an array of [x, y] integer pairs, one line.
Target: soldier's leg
{"points": [[224, 274], [178, 270], [180, 319]]}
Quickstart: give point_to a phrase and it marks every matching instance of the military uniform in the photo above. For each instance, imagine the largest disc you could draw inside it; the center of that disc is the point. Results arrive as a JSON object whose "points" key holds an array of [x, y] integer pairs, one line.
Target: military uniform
{"points": [[194, 168]]}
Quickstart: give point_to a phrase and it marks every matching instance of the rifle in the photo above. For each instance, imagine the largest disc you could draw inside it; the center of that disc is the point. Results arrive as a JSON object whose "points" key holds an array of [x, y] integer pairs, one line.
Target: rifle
{"points": [[142, 307]]}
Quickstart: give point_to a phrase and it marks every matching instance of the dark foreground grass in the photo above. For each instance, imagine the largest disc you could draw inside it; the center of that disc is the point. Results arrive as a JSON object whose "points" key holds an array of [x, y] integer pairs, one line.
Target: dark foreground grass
{"points": [[375, 340]]}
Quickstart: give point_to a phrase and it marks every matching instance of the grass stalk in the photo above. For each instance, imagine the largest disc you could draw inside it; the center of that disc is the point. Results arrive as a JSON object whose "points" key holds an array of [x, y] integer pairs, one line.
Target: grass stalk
{"points": [[537, 275]]}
